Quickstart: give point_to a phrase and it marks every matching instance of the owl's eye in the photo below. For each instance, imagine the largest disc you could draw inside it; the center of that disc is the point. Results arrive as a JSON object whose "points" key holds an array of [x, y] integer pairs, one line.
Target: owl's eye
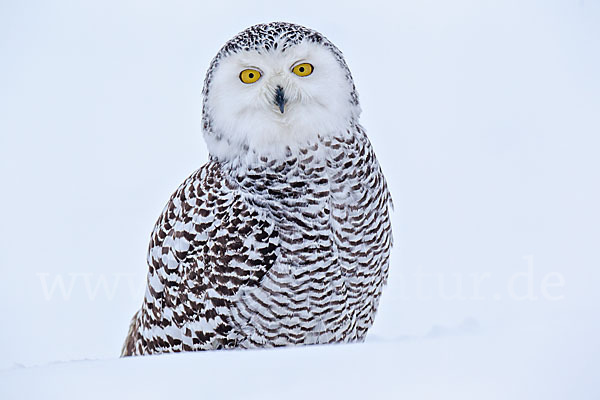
{"points": [[304, 69], [249, 75]]}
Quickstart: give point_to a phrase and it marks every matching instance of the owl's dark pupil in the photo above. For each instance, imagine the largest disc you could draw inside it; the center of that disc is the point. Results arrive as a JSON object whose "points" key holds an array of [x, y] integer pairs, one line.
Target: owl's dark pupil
{"points": [[250, 75], [301, 69]]}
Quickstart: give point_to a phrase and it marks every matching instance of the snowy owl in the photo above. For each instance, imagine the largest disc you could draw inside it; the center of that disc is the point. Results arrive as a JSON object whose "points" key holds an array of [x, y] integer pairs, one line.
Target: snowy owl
{"points": [[284, 236]]}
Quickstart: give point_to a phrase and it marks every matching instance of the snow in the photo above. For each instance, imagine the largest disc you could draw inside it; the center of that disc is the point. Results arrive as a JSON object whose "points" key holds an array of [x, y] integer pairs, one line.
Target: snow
{"points": [[461, 367], [483, 114]]}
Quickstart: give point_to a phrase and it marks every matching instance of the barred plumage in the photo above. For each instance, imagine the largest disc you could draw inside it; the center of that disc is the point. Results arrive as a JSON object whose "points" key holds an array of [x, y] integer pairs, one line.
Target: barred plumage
{"points": [[270, 247]]}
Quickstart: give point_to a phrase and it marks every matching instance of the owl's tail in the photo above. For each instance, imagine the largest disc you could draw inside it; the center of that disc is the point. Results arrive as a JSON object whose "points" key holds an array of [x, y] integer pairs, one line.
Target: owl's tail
{"points": [[132, 336]]}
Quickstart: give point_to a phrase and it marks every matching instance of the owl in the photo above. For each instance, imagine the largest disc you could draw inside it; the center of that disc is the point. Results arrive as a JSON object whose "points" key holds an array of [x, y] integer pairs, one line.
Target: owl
{"points": [[283, 237]]}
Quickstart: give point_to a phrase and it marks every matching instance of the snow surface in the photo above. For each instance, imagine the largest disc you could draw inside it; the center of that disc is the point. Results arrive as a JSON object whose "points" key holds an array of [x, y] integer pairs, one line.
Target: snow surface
{"points": [[484, 116], [462, 367]]}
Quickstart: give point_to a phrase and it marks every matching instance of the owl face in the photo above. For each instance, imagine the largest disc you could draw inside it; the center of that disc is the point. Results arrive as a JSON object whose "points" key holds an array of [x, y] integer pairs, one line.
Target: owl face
{"points": [[268, 100]]}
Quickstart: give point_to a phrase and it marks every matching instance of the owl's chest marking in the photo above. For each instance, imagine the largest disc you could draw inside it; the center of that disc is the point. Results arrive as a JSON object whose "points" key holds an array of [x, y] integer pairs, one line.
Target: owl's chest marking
{"points": [[310, 294]]}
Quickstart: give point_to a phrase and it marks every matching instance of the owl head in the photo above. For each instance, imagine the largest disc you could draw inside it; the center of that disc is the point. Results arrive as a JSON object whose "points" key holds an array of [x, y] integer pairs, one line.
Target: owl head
{"points": [[274, 88]]}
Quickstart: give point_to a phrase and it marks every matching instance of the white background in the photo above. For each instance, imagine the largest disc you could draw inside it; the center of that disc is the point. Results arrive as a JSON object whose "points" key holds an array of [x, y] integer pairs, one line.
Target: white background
{"points": [[485, 116]]}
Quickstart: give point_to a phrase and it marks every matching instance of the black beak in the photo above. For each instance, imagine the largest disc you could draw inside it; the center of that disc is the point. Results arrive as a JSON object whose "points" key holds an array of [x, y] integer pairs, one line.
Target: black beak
{"points": [[279, 98]]}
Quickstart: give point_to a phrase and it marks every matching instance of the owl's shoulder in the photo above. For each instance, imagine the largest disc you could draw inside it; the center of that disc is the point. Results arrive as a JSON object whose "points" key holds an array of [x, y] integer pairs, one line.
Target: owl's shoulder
{"points": [[208, 218], [194, 205]]}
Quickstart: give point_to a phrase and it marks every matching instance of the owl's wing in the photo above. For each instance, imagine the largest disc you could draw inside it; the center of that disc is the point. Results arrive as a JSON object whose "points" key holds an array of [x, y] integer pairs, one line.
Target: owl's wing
{"points": [[207, 244]]}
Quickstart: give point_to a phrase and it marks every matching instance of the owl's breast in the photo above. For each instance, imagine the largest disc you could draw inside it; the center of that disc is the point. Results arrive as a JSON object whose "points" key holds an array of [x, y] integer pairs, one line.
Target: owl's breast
{"points": [[331, 262]]}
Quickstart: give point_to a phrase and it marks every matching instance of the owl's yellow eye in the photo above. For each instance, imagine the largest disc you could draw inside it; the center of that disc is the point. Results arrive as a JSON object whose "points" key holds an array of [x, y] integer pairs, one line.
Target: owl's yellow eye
{"points": [[249, 75], [304, 69]]}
